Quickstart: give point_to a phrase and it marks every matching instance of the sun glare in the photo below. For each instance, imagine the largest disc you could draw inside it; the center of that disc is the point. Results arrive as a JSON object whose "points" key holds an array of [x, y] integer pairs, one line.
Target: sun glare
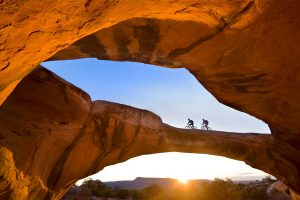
{"points": [[183, 181]]}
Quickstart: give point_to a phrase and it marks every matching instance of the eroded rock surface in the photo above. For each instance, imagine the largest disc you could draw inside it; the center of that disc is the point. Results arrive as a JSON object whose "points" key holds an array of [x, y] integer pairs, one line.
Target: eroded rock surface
{"points": [[32, 31], [244, 52], [54, 135], [247, 58]]}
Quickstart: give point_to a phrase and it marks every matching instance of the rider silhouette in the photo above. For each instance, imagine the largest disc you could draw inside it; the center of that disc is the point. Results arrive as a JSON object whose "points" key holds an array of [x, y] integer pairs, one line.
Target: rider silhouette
{"points": [[191, 122], [205, 123]]}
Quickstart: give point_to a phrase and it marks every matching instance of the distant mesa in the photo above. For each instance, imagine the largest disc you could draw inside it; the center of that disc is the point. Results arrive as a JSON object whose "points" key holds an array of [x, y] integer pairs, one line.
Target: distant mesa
{"points": [[141, 183]]}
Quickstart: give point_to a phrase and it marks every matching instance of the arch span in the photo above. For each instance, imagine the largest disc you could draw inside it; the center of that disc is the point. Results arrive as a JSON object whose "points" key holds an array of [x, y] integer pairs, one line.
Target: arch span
{"points": [[66, 137]]}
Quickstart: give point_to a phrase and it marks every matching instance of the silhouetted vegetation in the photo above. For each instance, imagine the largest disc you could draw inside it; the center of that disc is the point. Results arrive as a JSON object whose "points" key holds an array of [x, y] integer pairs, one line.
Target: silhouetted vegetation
{"points": [[212, 190]]}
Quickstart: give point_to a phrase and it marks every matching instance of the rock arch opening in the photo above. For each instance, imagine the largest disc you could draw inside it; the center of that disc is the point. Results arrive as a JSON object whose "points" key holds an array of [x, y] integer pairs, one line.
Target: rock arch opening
{"points": [[182, 166], [173, 94], [62, 126]]}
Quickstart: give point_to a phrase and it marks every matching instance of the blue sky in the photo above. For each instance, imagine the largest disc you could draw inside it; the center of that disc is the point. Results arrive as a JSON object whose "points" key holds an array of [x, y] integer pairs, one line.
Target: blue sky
{"points": [[173, 94]]}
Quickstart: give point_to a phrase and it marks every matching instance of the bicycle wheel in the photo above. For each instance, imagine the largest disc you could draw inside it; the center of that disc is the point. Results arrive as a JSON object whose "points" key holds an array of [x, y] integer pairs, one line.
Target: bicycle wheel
{"points": [[203, 128], [187, 127], [194, 127], [209, 129]]}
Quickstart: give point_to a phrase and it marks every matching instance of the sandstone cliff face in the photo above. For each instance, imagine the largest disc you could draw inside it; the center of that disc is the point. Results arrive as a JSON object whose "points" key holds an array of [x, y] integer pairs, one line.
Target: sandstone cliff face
{"points": [[244, 52]]}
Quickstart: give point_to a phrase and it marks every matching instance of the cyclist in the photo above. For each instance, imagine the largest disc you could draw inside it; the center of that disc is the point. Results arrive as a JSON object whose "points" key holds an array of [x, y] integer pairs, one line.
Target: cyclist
{"points": [[191, 123], [205, 123]]}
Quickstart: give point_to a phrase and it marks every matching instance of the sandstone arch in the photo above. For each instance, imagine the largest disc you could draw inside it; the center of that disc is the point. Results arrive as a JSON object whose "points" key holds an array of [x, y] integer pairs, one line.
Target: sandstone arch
{"points": [[243, 52], [66, 137]]}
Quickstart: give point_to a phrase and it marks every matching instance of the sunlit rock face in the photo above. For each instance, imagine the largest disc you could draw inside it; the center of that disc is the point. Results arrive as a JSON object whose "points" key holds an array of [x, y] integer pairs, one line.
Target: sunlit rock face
{"points": [[246, 56], [52, 134], [32, 31], [244, 52]]}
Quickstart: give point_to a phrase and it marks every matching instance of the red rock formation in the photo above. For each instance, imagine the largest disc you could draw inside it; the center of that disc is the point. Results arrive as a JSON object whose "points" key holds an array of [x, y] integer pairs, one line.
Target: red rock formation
{"points": [[244, 52], [248, 65], [52, 135], [32, 31], [278, 190]]}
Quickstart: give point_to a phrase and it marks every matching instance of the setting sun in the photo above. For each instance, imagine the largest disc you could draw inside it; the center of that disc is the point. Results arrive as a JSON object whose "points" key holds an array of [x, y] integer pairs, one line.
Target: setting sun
{"points": [[183, 181], [180, 166]]}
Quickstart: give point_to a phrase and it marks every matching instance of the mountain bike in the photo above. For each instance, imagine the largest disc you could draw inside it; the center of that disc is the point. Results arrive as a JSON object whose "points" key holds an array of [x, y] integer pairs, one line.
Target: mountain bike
{"points": [[189, 126], [204, 128]]}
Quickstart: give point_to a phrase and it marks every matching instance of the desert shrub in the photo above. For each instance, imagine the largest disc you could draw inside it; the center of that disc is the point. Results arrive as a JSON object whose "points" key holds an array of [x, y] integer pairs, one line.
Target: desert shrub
{"points": [[219, 190], [268, 179], [151, 192], [121, 194], [254, 192], [136, 195]]}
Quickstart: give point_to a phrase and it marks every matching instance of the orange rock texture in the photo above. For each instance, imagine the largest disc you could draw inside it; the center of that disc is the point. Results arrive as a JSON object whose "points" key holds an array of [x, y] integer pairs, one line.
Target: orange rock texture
{"points": [[32, 31], [245, 52], [52, 134]]}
